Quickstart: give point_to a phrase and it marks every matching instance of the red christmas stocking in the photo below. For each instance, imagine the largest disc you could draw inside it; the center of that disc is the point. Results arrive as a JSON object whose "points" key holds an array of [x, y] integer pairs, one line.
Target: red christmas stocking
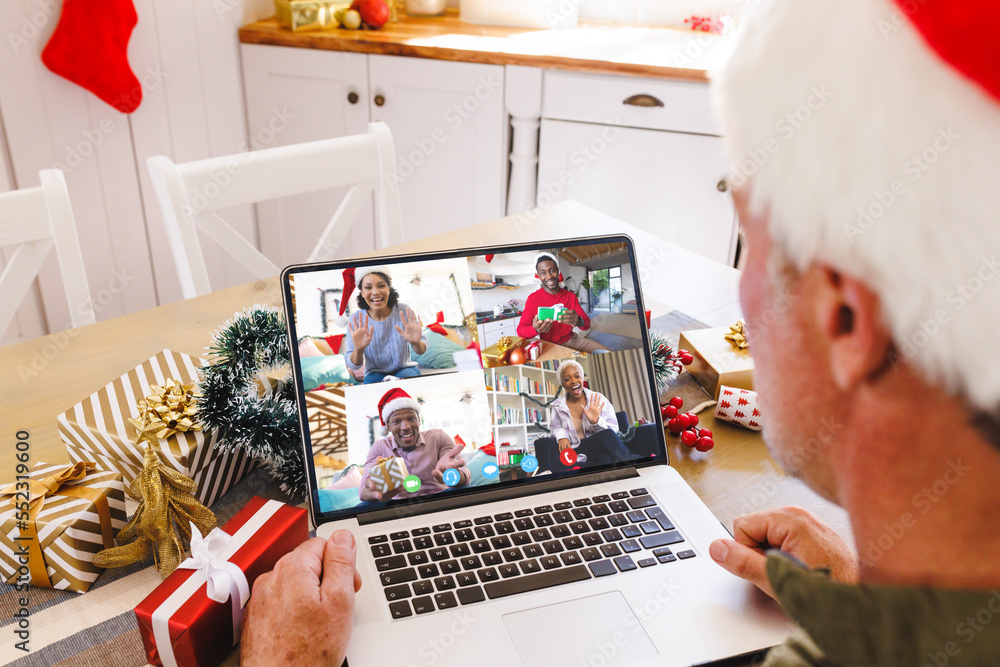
{"points": [[89, 47]]}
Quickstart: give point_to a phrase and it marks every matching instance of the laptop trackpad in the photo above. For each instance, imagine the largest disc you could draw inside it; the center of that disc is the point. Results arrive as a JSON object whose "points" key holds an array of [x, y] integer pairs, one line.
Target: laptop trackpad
{"points": [[596, 630]]}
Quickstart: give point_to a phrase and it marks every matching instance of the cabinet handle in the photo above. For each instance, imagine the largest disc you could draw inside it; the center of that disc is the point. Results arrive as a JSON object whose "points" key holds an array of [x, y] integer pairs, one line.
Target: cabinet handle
{"points": [[643, 100], [379, 100], [352, 97], [722, 185]]}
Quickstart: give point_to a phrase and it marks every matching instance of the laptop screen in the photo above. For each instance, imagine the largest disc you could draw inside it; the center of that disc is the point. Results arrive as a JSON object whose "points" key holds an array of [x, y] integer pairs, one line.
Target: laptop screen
{"points": [[459, 372]]}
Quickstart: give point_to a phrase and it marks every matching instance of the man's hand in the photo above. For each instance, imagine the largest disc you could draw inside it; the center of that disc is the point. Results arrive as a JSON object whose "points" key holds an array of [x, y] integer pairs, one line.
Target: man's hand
{"points": [[371, 494], [541, 326], [569, 316], [302, 612], [452, 459], [793, 530]]}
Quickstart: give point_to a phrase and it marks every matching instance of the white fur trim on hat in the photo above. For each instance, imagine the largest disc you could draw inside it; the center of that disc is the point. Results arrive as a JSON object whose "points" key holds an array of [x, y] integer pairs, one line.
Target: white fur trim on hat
{"points": [[546, 255], [359, 274], [401, 403], [867, 152]]}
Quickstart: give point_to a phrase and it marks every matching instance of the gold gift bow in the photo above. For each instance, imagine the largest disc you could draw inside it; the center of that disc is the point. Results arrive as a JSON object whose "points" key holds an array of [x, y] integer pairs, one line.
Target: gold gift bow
{"points": [[38, 491], [170, 408], [738, 335]]}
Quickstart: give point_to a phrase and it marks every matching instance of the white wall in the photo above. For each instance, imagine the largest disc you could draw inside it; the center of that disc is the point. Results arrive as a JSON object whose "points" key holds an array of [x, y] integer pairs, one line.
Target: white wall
{"points": [[186, 55]]}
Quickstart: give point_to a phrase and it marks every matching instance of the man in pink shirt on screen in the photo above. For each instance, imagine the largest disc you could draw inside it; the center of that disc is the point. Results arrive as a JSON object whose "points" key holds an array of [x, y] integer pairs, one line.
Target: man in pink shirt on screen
{"points": [[560, 330]]}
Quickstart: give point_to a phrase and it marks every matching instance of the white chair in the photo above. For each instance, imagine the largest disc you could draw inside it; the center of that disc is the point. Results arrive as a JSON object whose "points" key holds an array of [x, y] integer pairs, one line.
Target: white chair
{"points": [[190, 193], [38, 219]]}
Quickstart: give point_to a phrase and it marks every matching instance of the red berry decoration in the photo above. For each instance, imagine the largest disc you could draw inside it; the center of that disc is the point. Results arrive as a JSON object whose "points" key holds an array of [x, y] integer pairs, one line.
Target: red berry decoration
{"points": [[694, 418], [704, 433], [674, 426], [668, 411], [684, 420], [686, 357], [689, 438], [677, 402], [704, 444], [375, 13]]}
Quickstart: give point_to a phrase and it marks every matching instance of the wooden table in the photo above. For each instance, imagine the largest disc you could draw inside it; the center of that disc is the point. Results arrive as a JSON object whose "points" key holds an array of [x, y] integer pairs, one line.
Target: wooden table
{"points": [[46, 376]]}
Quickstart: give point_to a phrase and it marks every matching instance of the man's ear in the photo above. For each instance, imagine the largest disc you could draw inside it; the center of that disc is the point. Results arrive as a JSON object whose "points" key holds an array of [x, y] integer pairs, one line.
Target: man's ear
{"points": [[850, 318]]}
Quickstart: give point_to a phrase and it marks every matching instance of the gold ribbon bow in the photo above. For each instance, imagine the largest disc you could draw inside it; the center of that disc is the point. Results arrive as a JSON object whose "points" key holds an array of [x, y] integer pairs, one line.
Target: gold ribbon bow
{"points": [[504, 343], [54, 485], [168, 410], [738, 335]]}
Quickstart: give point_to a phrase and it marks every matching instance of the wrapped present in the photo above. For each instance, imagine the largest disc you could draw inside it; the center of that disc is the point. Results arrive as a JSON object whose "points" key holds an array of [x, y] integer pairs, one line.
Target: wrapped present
{"points": [[498, 354], [54, 519], [308, 14], [717, 361], [193, 618], [388, 473], [739, 406], [98, 429]]}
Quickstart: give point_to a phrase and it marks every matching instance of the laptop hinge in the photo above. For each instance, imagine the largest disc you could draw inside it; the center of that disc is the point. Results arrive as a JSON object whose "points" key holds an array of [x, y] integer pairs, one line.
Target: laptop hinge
{"points": [[445, 503]]}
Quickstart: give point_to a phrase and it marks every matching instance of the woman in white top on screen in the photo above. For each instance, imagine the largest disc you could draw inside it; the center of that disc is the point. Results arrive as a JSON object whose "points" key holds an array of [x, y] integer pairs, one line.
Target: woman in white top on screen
{"points": [[585, 420]]}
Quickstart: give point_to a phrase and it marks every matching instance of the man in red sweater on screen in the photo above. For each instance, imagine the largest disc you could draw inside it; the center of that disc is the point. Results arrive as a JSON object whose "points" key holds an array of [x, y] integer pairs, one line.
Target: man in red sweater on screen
{"points": [[560, 330]]}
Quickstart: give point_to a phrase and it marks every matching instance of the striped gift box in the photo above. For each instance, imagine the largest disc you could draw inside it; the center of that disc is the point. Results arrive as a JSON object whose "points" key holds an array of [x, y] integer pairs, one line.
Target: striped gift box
{"points": [[68, 527], [97, 429]]}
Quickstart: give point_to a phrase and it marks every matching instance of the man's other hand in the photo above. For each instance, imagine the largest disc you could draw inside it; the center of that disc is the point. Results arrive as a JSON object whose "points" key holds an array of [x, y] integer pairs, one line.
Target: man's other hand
{"points": [[302, 612], [793, 530]]}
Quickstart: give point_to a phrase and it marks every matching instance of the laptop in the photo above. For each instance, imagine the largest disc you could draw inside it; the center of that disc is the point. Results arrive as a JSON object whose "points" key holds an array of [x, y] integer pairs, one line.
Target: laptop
{"points": [[498, 520]]}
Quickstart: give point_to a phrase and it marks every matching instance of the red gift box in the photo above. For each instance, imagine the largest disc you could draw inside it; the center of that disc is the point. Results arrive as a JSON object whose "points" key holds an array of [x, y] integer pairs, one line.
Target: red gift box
{"points": [[202, 632]]}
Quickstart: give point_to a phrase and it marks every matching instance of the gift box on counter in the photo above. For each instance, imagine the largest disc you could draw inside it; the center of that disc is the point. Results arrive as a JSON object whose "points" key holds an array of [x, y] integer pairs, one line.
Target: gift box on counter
{"points": [[97, 429], [307, 14], [180, 622], [54, 520], [498, 354], [717, 361], [388, 474]]}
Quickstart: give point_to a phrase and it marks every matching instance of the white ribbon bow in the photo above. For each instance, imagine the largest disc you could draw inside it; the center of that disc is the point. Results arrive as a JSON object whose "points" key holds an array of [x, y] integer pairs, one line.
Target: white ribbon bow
{"points": [[225, 580]]}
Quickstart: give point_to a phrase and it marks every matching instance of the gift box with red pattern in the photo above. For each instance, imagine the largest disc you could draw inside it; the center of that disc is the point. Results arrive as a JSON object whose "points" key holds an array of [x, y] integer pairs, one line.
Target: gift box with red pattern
{"points": [[192, 619]]}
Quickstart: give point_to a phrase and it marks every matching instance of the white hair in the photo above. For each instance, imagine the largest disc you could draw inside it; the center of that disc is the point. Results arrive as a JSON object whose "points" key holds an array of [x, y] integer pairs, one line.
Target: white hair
{"points": [[869, 153], [563, 365]]}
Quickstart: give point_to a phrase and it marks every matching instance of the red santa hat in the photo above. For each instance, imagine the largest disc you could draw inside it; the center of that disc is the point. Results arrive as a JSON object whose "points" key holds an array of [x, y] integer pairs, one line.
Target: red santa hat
{"points": [[393, 400], [352, 278], [868, 134]]}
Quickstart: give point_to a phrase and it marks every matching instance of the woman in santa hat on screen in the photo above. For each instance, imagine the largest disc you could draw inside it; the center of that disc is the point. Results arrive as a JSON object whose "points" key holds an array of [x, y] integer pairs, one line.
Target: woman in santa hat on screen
{"points": [[381, 334]]}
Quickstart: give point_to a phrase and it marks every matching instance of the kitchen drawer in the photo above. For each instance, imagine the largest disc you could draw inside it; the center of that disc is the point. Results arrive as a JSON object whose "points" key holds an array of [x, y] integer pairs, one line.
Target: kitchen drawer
{"points": [[591, 98], [499, 325]]}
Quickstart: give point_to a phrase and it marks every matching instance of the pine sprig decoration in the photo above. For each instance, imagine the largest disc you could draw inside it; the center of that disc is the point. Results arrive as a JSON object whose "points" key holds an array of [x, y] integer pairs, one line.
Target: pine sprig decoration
{"points": [[266, 428], [666, 361]]}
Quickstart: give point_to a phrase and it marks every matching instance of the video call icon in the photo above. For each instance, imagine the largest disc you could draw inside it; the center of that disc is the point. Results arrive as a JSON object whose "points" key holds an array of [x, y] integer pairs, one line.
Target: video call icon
{"points": [[411, 483]]}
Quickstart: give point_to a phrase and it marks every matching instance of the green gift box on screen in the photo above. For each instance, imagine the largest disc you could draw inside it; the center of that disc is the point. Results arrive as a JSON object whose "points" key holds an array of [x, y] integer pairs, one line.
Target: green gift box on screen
{"points": [[549, 312]]}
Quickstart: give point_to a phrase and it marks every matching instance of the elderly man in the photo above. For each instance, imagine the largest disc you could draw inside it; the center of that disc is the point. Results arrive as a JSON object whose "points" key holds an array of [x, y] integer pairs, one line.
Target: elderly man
{"points": [[865, 137]]}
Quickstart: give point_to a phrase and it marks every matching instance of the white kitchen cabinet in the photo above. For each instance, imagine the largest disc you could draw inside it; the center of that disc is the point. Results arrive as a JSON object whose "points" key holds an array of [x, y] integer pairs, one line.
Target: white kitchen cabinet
{"points": [[493, 331], [656, 167], [448, 126], [294, 96]]}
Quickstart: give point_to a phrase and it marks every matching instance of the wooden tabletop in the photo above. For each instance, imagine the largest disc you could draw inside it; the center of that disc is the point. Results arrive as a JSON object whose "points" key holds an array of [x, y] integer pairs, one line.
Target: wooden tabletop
{"points": [[46, 376], [590, 47]]}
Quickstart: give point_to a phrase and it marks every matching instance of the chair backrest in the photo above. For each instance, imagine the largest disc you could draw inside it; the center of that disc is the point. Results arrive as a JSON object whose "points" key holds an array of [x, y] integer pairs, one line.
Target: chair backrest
{"points": [[36, 220], [190, 194]]}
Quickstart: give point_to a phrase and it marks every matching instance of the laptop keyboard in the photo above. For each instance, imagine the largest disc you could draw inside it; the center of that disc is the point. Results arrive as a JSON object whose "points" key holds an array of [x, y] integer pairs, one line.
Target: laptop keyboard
{"points": [[450, 564]]}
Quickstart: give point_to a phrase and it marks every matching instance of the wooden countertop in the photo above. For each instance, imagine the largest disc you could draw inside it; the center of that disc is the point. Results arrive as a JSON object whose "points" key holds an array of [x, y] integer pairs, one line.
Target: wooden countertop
{"points": [[590, 47]]}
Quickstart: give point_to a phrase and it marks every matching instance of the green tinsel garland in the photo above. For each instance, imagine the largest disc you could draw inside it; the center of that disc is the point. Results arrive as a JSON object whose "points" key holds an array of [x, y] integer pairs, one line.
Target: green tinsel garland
{"points": [[267, 428]]}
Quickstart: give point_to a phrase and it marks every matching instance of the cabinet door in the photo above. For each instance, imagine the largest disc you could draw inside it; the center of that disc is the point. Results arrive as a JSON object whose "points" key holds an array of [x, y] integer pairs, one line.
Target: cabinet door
{"points": [[294, 96], [666, 183], [447, 121]]}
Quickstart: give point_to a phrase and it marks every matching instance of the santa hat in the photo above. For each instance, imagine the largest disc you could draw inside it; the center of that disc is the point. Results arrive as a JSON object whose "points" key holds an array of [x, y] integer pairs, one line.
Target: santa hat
{"points": [[549, 256], [868, 133], [353, 278], [393, 400]]}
